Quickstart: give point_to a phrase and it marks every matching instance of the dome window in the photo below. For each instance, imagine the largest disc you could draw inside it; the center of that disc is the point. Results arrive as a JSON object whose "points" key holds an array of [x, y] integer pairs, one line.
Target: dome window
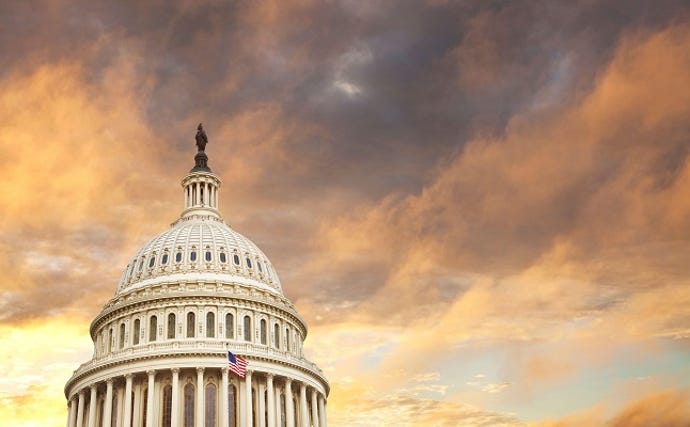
{"points": [[141, 264], [153, 326], [152, 261], [247, 328], [258, 264], [229, 326], [207, 256], [210, 325], [164, 259], [137, 331], [249, 263], [222, 257], [190, 324], [192, 256], [236, 259], [178, 257]]}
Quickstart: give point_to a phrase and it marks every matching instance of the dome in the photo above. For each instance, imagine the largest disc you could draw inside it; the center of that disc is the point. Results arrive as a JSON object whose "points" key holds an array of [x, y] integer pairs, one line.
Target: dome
{"points": [[191, 303], [200, 248]]}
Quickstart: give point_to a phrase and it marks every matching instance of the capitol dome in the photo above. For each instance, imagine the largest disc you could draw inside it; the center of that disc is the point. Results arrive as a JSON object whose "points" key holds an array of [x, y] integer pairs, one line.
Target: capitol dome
{"points": [[187, 298]]}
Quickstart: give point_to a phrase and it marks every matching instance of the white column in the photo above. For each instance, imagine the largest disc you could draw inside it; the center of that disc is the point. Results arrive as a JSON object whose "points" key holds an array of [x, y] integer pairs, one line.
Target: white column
{"points": [[322, 411], [199, 396], [175, 397], [92, 407], [314, 409], [261, 407], [80, 410], [198, 193], [128, 400], [150, 399], [278, 412], [248, 396], [289, 408], [72, 417], [224, 422], [270, 401], [108, 407], [303, 411]]}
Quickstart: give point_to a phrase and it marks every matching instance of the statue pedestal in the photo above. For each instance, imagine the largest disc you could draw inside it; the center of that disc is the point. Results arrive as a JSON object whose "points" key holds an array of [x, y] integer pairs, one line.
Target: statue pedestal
{"points": [[201, 162]]}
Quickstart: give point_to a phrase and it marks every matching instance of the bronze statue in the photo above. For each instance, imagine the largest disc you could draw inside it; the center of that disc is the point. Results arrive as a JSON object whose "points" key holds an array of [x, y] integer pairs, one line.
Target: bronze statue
{"points": [[201, 139]]}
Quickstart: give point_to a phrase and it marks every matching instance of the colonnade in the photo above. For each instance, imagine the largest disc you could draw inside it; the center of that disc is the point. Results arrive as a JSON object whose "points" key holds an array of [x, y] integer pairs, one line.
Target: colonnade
{"points": [[201, 193], [259, 400]]}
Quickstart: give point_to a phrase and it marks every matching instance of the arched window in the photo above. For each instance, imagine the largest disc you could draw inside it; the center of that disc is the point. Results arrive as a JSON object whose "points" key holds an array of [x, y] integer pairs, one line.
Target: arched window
{"points": [[232, 414], [229, 326], [122, 335], [210, 401], [190, 325], [137, 331], [192, 255], [262, 331], [222, 257], [164, 259], [153, 326], [287, 339], [276, 335], [247, 328], [189, 405], [167, 406], [249, 263], [171, 326], [210, 325], [207, 256], [152, 261], [258, 264], [110, 340], [236, 259], [178, 256]]}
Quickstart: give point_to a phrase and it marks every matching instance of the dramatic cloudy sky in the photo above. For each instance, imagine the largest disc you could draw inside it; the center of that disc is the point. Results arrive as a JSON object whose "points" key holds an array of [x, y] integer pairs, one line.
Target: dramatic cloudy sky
{"points": [[481, 208]]}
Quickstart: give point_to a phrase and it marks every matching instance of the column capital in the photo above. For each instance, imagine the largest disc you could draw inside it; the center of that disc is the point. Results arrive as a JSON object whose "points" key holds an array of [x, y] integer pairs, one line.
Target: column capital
{"points": [[151, 372], [224, 369], [109, 381], [129, 375], [288, 381], [200, 369], [175, 370], [93, 386], [269, 376]]}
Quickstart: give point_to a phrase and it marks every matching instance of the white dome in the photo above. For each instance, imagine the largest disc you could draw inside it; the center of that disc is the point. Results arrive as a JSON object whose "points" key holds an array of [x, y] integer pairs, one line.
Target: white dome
{"points": [[200, 248], [189, 299]]}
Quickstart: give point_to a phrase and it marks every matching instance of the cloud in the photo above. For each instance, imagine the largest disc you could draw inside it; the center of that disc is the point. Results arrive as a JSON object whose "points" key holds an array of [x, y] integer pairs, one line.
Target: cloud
{"points": [[670, 408]]}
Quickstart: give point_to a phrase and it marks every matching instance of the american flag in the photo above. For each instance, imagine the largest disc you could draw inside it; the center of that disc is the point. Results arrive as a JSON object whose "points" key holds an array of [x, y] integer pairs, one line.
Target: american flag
{"points": [[237, 364]]}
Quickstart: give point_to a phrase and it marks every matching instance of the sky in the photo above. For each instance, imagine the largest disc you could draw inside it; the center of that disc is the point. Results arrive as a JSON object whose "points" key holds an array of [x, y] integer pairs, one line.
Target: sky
{"points": [[480, 208]]}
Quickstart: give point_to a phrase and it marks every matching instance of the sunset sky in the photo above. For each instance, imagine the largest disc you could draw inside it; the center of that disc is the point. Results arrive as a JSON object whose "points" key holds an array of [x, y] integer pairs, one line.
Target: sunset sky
{"points": [[480, 208]]}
